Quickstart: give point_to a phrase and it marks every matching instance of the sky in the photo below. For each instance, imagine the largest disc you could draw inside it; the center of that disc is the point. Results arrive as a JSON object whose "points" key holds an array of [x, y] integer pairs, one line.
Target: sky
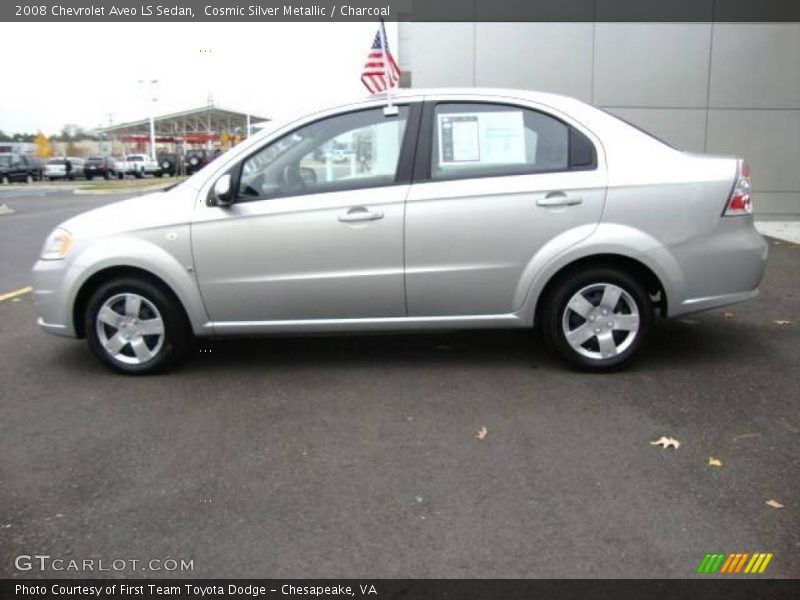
{"points": [[86, 73]]}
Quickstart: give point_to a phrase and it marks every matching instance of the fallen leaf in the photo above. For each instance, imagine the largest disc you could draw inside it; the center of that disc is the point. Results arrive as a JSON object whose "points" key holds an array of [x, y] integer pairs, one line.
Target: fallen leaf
{"points": [[482, 433], [714, 462], [782, 322], [728, 315], [666, 442], [774, 504]]}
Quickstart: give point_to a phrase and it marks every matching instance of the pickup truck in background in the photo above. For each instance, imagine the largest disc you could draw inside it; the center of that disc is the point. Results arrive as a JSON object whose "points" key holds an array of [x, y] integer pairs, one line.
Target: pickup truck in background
{"points": [[140, 165], [15, 167]]}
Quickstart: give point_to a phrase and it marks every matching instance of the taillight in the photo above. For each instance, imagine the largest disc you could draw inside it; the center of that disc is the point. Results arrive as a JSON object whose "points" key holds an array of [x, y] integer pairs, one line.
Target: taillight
{"points": [[740, 202]]}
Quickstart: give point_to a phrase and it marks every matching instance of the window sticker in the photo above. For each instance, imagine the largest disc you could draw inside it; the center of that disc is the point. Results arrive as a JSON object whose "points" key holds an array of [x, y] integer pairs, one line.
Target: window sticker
{"points": [[460, 139], [484, 138]]}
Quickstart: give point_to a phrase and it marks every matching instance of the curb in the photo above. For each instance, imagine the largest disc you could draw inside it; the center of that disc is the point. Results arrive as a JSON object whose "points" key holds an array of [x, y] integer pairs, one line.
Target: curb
{"points": [[120, 191]]}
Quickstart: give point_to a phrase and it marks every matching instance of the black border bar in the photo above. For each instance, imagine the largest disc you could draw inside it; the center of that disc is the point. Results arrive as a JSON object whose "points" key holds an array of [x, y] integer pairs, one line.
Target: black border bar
{"points": [[711, 588], [676, 11]]}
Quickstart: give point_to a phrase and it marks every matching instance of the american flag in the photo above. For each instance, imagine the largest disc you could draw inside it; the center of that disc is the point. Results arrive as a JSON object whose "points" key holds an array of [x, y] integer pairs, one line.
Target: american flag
{"points": [[380, 65]]}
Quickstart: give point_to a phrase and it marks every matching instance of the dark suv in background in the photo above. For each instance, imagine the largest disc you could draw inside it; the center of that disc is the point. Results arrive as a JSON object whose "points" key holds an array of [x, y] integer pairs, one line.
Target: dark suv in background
{"points": [[100, 166], [169, 163], [197, 159], [15, 167]]}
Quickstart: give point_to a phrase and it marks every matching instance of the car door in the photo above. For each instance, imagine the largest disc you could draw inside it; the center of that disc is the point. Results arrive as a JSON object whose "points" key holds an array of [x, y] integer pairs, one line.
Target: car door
{"points": [[19, 169], [308, 237], [493, 183]]}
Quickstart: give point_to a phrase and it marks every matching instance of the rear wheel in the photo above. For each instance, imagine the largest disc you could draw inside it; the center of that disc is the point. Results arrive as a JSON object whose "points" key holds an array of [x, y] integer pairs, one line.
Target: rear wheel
{"points": [[598, 319], [135, 327]]}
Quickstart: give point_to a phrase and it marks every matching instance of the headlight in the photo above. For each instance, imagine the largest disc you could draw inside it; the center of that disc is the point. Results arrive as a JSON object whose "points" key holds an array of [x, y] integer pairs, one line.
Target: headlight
{"points": [[57, 245]]}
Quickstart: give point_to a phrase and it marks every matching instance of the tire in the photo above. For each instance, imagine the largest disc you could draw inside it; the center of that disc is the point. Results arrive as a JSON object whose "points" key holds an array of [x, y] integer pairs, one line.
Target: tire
{"points": [[134, 352], [576, 304], [138, 174], [89, 177], [52, 178], [120, 175], [108, 175]]}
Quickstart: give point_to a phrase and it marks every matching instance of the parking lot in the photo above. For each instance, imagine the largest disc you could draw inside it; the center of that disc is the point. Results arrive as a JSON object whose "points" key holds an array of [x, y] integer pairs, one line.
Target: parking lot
{"points": [[358, 456]]}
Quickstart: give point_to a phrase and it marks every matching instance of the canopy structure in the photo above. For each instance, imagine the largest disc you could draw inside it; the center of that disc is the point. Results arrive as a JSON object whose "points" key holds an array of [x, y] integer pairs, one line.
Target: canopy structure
{"points": [[200, 126]]}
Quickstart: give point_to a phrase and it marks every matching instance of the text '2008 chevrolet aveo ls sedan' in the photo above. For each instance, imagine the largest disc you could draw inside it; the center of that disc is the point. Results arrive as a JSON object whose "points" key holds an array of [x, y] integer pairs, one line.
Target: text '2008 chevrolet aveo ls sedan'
{"points": [[453, 209]]}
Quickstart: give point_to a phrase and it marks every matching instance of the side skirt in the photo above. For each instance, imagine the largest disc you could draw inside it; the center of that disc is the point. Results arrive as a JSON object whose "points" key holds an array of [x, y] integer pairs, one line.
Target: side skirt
{"points": [[386, 324]]}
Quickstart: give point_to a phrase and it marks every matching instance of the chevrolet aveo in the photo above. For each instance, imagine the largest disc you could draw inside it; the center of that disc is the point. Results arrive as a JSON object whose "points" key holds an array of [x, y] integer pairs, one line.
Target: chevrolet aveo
{"points": [[452, 209]]}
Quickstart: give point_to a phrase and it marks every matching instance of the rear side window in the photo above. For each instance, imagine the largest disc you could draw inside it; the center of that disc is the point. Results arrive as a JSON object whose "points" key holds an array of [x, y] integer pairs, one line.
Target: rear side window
{"points": [[482, 140]]}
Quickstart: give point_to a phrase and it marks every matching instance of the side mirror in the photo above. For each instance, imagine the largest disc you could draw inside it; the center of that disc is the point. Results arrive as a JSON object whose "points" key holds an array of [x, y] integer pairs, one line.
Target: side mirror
{"points": [[222, 193]]}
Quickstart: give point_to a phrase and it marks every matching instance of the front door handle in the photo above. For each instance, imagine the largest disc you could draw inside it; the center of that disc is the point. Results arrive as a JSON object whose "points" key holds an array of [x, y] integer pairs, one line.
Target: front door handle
{"points": [[360, 213], [558, 199]]}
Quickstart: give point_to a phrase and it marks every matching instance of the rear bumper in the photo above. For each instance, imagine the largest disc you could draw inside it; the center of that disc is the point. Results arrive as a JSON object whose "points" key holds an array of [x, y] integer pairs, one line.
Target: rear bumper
{"points": [[723, 268]]}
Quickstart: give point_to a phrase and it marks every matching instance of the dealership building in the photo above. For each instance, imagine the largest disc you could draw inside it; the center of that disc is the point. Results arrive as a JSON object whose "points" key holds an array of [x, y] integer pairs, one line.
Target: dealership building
{"points": [[717, 88], [205, 127]]}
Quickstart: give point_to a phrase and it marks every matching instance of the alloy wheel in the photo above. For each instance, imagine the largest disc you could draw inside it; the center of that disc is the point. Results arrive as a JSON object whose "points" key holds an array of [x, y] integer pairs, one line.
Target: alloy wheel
{"points": [[130, 328], [600, 321]]}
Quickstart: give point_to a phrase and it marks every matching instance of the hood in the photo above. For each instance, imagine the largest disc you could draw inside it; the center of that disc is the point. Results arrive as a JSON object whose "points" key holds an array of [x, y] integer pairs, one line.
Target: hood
{"points": [[151, 211]]}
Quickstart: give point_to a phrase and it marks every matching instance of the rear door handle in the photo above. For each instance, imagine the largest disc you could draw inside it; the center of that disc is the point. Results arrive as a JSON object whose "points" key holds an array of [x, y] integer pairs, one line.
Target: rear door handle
{"points": [[360, 213], [559, 199]]}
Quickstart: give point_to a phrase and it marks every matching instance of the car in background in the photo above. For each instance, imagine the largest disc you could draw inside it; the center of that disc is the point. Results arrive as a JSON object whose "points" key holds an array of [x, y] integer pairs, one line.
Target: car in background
{"points": [[56, 168], [120, 166], [476, 209], [196, 159], [169, 164], [100, 166], [140, 165], [16, 167]]}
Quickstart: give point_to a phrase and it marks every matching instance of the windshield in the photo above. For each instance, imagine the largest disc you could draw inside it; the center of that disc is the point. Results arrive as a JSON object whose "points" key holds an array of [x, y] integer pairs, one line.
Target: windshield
{"points": [[5, 161]]}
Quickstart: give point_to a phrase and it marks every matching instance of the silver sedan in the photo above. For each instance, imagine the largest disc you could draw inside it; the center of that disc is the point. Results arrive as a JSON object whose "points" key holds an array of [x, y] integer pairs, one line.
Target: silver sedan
{"points": [[449, 209]]}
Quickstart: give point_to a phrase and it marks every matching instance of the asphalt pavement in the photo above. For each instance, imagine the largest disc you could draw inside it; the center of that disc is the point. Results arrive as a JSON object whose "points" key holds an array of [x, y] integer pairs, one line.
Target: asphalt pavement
{"points": [[357, 456], [37, 209]]}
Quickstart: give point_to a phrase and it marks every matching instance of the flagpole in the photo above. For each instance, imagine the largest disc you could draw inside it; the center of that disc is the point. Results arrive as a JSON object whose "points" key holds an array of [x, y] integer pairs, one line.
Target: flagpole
{"points": [[390, 109]]}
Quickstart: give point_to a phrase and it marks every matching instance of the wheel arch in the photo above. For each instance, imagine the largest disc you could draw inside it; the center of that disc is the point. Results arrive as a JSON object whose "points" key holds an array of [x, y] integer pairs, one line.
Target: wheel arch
{"points": [[107, 274], [622, 262]]}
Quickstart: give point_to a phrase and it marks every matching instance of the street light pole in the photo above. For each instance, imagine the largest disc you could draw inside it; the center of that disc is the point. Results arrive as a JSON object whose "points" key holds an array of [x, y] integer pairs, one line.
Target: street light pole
{"points": [[153, 83]]}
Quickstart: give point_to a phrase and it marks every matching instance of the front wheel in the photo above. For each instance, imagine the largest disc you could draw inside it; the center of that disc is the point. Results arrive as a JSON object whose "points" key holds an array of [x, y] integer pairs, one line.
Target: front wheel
{"points": [[598, 319], [135, 327]]}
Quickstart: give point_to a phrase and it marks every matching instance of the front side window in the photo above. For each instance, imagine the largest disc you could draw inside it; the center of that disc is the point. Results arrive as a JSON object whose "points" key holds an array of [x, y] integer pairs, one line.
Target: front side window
{"points": [[478, 140], [349, 151]]}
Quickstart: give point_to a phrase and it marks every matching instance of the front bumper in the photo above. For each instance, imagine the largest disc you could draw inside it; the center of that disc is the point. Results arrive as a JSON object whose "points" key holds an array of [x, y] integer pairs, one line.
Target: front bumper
{"points": [[51, 297]]}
